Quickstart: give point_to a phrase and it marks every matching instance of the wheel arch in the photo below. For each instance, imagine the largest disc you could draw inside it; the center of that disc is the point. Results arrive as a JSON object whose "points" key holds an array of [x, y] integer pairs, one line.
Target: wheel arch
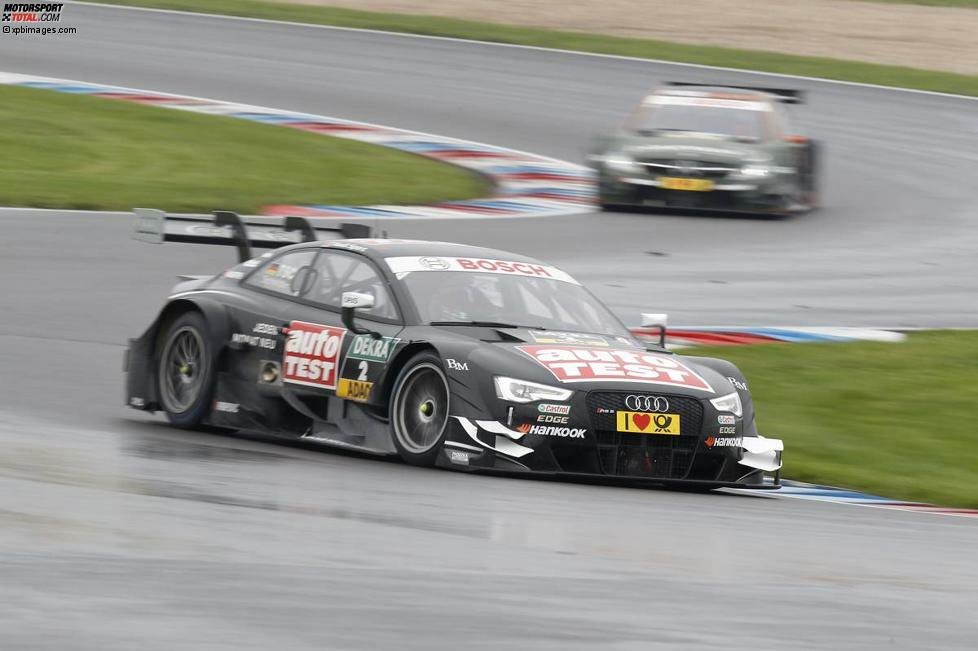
{"points": [[396, 365], [215, 316], [143, 357]]}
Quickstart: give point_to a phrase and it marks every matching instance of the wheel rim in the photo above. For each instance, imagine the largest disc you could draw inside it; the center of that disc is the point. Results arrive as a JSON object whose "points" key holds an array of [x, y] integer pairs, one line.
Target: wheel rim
{"points": [[421, 408], [182, 370]]}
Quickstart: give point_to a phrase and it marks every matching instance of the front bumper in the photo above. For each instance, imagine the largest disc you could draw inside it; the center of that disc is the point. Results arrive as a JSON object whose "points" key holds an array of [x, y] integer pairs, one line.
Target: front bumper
{"points": [[579, 453], [767, 196]]}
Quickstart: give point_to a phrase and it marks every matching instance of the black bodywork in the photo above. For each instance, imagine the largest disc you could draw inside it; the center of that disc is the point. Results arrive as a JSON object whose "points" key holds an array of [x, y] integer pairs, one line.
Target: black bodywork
{"points": [[248, 329]]}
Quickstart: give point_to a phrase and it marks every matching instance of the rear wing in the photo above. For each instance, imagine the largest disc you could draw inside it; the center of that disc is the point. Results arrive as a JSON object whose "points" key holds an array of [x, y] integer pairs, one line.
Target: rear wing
{"points": [[784, 95], [228, 229]]}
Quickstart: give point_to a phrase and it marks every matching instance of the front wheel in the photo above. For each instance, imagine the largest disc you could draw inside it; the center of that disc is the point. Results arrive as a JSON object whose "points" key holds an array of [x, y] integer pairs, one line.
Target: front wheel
{"points": [[185, 371], [419, 409]]}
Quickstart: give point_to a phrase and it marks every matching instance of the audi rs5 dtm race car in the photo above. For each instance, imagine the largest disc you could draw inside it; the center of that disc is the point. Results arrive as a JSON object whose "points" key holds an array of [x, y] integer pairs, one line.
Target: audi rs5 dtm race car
{"points": [[442, 354], [701, 148]]}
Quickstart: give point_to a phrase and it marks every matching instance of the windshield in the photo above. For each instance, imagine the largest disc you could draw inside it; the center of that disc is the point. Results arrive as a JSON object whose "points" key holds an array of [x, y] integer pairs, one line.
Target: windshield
{"points": [[542, 303], [732, 122]]}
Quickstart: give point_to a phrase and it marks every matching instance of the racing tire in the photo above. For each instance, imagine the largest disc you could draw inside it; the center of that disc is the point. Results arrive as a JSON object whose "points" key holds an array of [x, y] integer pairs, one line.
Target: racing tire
{"points": [[185, 371], [419, 409]]}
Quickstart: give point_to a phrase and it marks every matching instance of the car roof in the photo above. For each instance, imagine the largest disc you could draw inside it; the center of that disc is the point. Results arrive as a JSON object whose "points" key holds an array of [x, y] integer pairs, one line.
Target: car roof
{"points": [[393, 248], [716, 92]]}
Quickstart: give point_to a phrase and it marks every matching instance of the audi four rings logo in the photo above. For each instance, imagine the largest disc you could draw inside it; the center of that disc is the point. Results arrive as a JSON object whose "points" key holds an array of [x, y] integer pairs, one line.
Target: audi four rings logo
{"points": [[647, 403]]}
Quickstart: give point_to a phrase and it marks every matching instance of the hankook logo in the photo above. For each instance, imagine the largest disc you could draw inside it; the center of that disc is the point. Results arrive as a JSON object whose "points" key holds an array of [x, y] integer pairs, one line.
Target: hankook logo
{"points": [[646, 403]]}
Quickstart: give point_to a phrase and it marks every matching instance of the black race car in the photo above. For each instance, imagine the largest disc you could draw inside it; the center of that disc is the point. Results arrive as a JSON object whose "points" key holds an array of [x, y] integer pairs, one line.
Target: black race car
{"points": [[442, 354]]}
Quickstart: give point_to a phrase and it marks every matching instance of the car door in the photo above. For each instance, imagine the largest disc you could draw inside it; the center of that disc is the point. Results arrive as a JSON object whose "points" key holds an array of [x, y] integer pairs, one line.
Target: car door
{"points": [[288, 333], [361, 360], [268, 299]]}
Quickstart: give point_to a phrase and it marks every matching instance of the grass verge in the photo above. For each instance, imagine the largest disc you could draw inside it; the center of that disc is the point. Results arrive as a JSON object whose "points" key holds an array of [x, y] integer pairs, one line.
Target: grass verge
{"points": [[75, 151], [944, 82], [897, 420]]}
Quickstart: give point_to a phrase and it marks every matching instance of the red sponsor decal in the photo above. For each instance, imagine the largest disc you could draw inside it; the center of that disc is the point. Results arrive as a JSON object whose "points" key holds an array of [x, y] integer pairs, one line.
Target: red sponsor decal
{"points": [[312, 353], [522, 268], [586, 364]]}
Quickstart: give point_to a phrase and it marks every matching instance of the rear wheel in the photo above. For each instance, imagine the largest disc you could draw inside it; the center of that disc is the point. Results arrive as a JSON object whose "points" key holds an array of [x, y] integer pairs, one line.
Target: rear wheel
{"points": [[419, 409], [185, 371]]}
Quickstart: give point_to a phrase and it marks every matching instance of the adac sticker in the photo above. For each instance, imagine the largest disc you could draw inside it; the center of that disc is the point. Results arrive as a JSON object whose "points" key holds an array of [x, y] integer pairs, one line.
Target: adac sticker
{"points": [[355, 390], [311, 354], [583, 364]]}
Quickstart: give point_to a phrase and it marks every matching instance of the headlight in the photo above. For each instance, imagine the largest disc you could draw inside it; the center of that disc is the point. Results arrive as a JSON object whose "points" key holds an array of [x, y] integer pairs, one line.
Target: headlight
{"points": [[730, 403], [522, 391], [756, 171], [621, 164]]}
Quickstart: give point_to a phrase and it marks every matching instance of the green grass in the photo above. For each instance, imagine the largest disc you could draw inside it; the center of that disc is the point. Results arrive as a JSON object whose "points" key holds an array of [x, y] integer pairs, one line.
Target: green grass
{"points": [[944, 82], [899, 420], [72, 151]]}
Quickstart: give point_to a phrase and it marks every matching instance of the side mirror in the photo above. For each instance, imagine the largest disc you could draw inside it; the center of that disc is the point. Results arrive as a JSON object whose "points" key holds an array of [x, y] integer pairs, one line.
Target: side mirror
{"points": [[352, 301], [657, 321]]}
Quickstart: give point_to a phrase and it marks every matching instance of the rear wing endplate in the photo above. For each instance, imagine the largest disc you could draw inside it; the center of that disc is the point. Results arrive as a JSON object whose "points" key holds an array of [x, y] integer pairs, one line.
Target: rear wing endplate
{"points": [[784, 95], [228, 229]]}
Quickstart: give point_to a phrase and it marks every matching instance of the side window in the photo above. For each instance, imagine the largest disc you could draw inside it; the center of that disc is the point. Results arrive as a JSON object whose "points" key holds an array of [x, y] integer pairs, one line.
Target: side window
{"points": [[344, 272], [282, 274]]}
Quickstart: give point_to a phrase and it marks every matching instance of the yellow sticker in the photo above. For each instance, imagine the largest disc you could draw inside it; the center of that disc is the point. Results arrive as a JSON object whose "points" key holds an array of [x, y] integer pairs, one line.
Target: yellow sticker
{"points": [[355, 390], [688, 185], [641, 423]]}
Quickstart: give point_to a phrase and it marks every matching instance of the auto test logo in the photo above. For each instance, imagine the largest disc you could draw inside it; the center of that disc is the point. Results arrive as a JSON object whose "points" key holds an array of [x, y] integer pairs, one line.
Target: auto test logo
{"points": [[311, 354], [32, 12], [581, 364]]}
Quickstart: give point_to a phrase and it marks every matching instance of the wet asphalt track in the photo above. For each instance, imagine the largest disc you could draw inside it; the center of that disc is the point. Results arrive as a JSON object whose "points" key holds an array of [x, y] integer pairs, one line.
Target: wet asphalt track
{"points": [[118, 532]]}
